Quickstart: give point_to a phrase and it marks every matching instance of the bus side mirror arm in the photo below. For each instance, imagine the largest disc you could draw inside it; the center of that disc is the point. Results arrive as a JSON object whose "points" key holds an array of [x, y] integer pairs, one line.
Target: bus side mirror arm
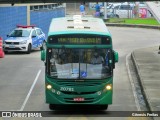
{"points": [[115, 56], [43, 55]]}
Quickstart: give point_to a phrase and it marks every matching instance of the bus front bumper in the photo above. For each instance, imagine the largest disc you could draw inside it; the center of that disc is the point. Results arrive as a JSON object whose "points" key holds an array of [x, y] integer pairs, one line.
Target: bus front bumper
{"points": [[52, 97]]}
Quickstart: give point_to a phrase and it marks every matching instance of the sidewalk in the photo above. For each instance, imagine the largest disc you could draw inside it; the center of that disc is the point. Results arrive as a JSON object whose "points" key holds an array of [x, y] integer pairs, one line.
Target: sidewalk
{"points": [[147, 62]]}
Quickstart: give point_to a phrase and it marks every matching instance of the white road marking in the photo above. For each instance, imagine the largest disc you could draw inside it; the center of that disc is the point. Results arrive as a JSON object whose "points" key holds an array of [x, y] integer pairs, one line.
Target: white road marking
{"points": [[30, 91], [132, 84]]}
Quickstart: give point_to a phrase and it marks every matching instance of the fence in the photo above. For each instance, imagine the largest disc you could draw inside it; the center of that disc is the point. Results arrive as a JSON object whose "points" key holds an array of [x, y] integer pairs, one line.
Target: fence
{"points": [[10, 16]]}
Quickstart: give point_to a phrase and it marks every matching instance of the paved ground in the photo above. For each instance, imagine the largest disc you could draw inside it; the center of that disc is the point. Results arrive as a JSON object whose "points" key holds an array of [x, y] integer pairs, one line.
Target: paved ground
{"points": [[147, 61]]}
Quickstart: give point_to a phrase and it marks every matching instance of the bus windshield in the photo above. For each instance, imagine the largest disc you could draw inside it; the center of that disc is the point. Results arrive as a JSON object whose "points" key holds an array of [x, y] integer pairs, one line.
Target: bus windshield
{"points": [[78, 63]]}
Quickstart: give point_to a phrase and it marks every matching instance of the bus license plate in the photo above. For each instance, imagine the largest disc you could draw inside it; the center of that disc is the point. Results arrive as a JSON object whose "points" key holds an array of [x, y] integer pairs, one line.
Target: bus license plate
{"points": [[78, 99]]}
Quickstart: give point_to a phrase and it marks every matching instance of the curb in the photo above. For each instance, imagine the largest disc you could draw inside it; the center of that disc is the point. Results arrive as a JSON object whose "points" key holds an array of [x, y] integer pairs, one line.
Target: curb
{"points": [[132, 82], [140, 82], [148, 104], [135, 26]]}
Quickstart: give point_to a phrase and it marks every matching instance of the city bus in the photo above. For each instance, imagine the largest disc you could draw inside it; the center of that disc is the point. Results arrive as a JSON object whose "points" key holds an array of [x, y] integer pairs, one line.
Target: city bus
{"points": [[79, 62]]}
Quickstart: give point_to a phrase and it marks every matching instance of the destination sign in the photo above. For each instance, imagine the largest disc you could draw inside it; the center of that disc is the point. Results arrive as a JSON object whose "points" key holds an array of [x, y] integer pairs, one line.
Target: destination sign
{"points": [[79, 39]]}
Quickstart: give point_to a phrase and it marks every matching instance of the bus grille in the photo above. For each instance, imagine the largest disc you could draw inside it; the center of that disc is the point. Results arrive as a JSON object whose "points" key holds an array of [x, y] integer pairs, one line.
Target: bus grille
{"points": [[82, 83], [77, 93]]}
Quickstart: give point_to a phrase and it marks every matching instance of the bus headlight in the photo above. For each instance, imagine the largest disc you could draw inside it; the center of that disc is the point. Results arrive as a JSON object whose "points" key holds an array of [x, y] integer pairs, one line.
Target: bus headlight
{"points": [[49, 87], [108, 87]]}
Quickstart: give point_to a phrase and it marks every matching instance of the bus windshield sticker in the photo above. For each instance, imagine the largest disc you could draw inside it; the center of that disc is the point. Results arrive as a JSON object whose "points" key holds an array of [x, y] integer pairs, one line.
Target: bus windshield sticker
{"points": [[83, 74]]}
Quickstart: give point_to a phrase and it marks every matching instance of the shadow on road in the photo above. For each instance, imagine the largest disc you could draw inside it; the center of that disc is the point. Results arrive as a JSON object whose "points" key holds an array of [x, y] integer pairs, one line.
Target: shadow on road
{"points": [[22, 53], [77, 111]]}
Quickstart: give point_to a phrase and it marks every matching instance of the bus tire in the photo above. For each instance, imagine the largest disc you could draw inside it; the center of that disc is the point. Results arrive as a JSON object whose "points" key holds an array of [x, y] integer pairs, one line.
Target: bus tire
{"points": [[29, 49], [56, 107], [51, 107], [103, 107]]}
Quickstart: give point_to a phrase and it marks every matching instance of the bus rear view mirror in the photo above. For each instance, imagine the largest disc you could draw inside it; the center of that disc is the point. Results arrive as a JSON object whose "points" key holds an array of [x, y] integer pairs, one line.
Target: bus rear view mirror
{"points": [[115, 56], [43, 55]]}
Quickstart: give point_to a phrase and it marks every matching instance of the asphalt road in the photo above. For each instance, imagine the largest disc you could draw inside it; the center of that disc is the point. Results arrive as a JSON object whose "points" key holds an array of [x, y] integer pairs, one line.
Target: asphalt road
{"points": [[22, 77]]}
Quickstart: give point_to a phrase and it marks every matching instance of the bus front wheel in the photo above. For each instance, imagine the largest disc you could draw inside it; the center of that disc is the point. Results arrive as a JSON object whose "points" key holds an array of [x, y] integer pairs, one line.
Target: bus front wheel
{"points": [[55, 107], [51, 107], [103, 107]]}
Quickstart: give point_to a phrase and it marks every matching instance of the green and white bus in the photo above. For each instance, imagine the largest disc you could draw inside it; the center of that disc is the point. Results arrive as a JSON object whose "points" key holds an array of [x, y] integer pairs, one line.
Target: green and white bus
{"points": [[79, 62]]}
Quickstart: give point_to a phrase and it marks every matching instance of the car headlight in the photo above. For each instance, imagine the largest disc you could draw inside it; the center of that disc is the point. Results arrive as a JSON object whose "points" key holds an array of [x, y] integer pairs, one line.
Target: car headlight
{"points": [[23, 42]]}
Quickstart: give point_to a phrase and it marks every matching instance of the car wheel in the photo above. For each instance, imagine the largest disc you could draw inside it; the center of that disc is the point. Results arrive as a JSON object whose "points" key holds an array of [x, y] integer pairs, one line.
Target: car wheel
{"points": [[29, 49]]}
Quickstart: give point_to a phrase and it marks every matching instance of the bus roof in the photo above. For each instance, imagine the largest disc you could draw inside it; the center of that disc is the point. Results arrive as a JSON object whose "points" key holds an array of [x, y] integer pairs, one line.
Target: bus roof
{"points": [[87, 25]]}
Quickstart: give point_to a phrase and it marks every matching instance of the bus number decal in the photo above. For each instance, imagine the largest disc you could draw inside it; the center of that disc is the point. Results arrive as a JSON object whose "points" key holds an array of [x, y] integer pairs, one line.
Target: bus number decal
{"points": [[66, 89]]}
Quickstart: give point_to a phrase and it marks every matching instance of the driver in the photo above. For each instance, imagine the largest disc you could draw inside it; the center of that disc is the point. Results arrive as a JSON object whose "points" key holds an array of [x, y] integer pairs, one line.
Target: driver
{"points": [[97, 59], [55, 59]]}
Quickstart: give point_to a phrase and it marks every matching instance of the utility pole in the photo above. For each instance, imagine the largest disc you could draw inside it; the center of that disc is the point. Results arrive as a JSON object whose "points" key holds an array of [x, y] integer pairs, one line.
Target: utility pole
{"points": [[105, 11]]}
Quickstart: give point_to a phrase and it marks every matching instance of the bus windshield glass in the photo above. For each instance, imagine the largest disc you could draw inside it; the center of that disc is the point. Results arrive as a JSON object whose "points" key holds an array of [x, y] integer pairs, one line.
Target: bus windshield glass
{"points": [[78, 63]]}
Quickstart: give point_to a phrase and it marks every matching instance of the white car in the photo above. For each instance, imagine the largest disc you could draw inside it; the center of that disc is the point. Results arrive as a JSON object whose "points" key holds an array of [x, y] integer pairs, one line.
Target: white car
{"points": [[124, 11], [118, 9], [24, 38]]}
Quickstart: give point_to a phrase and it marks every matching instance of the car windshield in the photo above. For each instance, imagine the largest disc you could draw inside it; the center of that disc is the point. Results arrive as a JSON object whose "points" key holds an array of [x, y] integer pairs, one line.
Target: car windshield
{"points": [[20, 33], [78, 63]]}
